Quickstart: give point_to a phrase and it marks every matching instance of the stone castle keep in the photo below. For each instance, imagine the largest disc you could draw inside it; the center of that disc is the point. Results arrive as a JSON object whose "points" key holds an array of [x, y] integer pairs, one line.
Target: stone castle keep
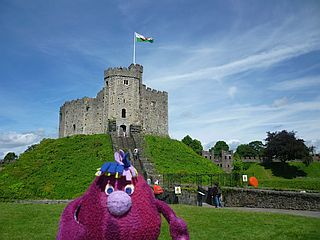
{"points": [[124, 105]]}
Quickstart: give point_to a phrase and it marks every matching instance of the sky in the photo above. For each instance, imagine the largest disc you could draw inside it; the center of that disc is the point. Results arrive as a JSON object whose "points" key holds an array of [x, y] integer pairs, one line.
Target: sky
{"points": [[233, 70]]}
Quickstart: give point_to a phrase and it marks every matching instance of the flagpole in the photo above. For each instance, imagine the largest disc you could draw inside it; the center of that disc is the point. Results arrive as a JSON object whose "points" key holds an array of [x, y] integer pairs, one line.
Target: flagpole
{"points": [[134, 48]]}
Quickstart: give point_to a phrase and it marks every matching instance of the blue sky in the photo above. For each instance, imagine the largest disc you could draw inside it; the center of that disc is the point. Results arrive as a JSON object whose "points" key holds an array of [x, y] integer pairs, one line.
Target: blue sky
{"points": [[233, 69]]}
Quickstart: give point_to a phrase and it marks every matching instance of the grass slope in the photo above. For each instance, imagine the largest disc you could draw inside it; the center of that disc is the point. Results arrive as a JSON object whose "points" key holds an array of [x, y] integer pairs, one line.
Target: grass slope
{"points": [[36, 221], [172, 156], [56, 169], [291, 176]]}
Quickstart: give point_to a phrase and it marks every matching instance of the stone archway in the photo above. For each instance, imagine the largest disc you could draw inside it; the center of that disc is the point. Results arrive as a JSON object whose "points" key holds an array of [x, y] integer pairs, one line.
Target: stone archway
{"points": [[123, 130]]}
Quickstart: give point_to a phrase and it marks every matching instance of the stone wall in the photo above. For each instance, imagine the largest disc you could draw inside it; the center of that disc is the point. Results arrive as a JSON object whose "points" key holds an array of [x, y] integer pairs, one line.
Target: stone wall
{"points": [[256, 198], [123, 99], [237, 197], [154, 111], [83, 116]]}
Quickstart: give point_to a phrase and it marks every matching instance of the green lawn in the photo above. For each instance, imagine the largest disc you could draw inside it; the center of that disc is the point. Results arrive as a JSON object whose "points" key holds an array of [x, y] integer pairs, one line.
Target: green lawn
{"points": [[28, 221], [291, 176]]}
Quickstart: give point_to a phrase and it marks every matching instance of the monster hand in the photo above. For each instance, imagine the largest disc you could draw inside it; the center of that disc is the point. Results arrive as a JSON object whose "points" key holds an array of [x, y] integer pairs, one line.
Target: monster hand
{"points": [[178, 228]]}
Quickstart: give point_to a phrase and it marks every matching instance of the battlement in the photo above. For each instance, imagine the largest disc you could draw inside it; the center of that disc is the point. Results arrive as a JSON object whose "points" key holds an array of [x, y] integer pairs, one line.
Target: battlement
{"points": [[123, 98], [133, 71], [154, 91], [83, 100]]}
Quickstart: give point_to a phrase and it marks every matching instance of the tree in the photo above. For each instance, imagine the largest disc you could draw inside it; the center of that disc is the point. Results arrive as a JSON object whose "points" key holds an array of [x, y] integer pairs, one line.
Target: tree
{"points": [[286, 147], [187, 140], [218, 147], [258, 147], [10, 156], [237, 164], [245, 150], [193, 143], [196, 146]]}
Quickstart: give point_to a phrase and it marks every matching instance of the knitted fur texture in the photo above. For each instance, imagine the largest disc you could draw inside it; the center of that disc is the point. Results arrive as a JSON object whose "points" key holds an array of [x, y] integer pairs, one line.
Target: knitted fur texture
{"points": [[117, 209]]}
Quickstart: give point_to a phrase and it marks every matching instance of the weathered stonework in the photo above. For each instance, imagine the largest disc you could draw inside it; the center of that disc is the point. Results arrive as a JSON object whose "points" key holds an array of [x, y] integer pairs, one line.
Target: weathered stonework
{"points": [[123, 105], [238, 197], [257, 198], [224, 161]]}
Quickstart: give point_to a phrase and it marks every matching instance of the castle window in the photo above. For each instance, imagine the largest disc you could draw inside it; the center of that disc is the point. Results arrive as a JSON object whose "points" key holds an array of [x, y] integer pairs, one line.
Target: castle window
{"points": [[74, 127], [87, 108], [124, 101], [126, 82], [153, 103], [123, 113]]}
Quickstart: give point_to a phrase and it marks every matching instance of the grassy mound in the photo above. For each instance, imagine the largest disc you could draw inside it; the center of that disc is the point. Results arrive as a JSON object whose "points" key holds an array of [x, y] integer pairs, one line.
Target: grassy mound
{"points": [[172, 156], [56, 168], [290, 176]]}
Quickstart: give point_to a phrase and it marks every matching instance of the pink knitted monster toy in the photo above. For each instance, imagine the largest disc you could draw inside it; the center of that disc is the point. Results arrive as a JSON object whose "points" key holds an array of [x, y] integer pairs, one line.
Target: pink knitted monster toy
{"points": [[119, 205]]}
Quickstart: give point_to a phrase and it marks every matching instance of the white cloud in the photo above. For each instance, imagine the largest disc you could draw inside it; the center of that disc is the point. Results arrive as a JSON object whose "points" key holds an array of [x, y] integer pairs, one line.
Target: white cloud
{"points": [[254, 61], [18, 142], [251, 122], [233, 144], [315, 143], [296, 84]]}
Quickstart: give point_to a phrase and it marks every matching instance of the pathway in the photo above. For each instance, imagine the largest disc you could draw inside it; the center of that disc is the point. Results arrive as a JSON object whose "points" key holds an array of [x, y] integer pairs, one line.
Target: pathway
{"points": [[315, 214]]}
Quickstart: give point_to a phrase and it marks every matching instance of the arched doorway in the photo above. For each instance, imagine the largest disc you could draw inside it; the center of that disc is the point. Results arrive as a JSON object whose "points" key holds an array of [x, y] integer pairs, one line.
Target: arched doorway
{"points": [[123, 130]]}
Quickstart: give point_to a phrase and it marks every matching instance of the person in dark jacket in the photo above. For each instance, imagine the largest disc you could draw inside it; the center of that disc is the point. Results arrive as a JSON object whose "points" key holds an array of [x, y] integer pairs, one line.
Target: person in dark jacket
{"points": [[216, 195]]}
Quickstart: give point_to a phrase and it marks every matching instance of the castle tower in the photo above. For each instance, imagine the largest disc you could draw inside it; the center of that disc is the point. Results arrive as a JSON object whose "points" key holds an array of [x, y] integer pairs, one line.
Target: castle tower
{"points": [[123, 105], [123, 92]]}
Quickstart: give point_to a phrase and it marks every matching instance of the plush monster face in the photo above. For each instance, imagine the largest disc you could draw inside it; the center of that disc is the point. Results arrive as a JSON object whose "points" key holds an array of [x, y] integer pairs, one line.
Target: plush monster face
{"points": [[117, 206]]}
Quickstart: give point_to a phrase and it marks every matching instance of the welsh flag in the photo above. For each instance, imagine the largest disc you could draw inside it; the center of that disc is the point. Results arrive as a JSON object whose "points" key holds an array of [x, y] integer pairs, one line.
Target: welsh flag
{"points": [[141, 38]]}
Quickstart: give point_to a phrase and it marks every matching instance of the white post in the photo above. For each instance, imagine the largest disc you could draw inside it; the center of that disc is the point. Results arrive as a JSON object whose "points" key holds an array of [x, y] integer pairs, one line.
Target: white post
{"points": [[134, 48]]}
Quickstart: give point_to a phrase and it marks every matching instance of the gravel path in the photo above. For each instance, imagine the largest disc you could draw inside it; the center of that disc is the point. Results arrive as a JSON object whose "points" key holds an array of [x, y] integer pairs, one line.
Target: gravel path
{"points": [[315, 214]]}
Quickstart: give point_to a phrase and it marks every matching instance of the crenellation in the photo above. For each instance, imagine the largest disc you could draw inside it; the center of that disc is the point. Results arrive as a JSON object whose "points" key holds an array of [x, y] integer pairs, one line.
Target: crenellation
{"points": [[133, 71], [123, 99]]}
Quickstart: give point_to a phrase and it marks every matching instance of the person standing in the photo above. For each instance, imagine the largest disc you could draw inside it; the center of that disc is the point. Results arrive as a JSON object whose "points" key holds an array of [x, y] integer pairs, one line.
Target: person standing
{"points": [[216, 194], [136, 154]]}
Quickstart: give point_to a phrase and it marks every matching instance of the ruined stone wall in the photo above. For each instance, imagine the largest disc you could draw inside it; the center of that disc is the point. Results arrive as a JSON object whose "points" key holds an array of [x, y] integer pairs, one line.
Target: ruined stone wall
{"points": [[154, 111]]}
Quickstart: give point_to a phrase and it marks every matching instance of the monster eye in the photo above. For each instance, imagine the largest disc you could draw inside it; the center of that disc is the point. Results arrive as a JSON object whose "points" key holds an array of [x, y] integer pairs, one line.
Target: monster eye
{"points": [[109, 189], [129, 189]]}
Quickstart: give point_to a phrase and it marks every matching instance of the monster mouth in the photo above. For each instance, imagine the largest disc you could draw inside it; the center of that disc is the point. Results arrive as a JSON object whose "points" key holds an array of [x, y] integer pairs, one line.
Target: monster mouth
{"points": [[76, 214]]}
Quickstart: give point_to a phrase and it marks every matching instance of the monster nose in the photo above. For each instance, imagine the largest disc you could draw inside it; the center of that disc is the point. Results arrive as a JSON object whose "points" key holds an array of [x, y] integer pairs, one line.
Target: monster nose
{"points": [[118, 203]]}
